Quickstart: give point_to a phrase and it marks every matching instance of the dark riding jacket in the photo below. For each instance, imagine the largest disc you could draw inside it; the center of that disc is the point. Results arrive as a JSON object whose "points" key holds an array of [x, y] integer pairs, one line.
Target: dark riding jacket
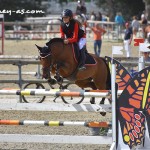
{"points": [[72, 31]]}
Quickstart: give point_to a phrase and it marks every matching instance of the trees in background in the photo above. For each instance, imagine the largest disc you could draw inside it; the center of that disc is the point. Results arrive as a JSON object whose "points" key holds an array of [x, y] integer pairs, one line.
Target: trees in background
{"points": [[147, 8], [128, 8]]}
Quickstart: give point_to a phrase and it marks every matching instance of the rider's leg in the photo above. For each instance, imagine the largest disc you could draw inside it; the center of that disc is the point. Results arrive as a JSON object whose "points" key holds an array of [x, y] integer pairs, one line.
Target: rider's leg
{"points": [[82, 47], [82, 54]]}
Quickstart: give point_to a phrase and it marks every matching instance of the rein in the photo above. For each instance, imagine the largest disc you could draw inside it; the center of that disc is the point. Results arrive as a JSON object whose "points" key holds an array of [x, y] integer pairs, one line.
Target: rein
{"points": [[49, 68]]}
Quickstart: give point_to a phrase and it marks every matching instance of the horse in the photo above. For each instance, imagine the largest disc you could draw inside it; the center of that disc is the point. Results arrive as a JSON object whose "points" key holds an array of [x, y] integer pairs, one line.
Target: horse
{"points": [[58, 58]]}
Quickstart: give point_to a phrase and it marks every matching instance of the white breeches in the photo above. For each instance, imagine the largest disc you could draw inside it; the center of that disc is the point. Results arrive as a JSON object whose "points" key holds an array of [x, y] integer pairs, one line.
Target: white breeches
{"points": [[82, 43]]}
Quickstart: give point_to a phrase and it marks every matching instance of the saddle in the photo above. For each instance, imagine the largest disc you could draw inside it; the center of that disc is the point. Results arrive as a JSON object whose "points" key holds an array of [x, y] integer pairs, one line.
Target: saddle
{"points": [[89, 58]]}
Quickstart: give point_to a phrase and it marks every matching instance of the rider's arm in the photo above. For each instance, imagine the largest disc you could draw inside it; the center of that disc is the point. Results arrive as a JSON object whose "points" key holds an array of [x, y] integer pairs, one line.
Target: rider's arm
{"points": [[75, 34]]}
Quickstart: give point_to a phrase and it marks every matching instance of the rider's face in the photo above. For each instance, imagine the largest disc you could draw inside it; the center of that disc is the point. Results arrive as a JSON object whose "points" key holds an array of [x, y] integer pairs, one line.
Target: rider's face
{"points": [[66, 19]]}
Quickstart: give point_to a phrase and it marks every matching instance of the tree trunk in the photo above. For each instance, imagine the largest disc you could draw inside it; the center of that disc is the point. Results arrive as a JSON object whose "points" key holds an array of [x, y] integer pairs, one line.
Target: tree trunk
{"points": [[110, 4], [147, 8]]}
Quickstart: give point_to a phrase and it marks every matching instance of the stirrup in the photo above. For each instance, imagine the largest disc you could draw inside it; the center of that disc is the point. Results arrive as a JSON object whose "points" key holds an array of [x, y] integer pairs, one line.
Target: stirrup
{"points": [[82, 68]]}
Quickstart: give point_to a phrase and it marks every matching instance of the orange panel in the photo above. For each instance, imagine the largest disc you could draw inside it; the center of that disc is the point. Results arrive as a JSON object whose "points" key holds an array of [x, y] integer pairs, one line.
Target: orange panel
{"points": [[9, 122]]}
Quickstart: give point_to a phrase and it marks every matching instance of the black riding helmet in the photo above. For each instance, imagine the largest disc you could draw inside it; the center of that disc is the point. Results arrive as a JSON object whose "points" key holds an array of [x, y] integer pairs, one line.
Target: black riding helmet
{"points": [[67, 13]]}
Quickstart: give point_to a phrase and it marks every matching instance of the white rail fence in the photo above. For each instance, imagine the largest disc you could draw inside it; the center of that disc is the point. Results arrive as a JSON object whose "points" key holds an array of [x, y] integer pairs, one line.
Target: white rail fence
{"points": [[50, 29], [20, 61]]}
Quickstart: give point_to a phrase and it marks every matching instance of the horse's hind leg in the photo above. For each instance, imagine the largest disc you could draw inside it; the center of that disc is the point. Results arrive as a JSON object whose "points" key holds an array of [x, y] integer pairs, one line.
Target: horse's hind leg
{"points": [[85, 84]]}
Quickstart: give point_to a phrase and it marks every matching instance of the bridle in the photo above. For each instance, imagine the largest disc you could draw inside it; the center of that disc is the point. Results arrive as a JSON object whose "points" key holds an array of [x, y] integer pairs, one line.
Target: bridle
{"points": [[48, 68]]}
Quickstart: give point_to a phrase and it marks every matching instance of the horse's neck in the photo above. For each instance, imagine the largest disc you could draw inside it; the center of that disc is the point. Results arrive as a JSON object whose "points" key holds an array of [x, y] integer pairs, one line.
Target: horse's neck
{"points": [[56, 49], [64, 58], [62, 52]]}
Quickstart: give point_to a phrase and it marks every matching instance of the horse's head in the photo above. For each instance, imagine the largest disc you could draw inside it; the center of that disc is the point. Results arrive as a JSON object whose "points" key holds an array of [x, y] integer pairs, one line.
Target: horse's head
{"points": [[45, 60]]}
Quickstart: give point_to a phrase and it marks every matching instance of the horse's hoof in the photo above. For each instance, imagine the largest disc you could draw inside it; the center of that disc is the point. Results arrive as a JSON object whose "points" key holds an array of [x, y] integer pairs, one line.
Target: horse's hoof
{"points": [[101, 102], [92, 101], [60, 80], [103, 113], [52, 81]]}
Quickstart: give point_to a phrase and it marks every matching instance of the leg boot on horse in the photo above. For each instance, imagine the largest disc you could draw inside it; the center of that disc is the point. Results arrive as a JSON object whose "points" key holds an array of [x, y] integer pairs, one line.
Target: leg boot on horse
{"points": [[82, 59]]}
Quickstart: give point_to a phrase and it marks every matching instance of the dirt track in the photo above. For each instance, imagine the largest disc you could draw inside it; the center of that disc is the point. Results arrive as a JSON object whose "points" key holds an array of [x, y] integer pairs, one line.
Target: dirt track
{"points": [[28, 48]]}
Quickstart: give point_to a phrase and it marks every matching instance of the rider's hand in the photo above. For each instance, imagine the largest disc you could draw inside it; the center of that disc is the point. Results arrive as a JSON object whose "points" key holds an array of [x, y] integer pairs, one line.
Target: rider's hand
{"points": [[66, 41]]}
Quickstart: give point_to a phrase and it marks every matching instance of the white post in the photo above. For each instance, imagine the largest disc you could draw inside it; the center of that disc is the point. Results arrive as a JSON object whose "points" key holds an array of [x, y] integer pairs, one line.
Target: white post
{"points": [[141, 64], [2, 33], [38, 75], [113, 91]]}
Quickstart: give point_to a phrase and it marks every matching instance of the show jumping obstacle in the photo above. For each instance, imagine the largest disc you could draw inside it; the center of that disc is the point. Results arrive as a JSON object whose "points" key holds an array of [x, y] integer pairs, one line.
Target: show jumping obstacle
{"points": [[54, 92], [101, 140], [56, 123], [64, 139]]}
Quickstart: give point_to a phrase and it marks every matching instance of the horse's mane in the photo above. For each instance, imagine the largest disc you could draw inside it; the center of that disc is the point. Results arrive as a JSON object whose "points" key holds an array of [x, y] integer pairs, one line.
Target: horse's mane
{"points": [[54, 40]]}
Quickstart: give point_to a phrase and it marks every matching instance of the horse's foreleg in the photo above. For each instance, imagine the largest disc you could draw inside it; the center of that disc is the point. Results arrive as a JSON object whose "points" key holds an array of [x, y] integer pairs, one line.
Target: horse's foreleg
{"points": [[57, 74]]}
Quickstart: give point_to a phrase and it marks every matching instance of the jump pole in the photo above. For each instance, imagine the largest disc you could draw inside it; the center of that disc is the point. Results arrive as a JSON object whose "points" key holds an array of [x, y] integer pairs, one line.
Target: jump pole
{"points": [[93, 124], [57, 92]]}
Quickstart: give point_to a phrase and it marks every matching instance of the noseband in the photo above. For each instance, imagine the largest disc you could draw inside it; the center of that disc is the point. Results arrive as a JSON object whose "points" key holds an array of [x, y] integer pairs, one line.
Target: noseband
{"points": [[46, 69]]}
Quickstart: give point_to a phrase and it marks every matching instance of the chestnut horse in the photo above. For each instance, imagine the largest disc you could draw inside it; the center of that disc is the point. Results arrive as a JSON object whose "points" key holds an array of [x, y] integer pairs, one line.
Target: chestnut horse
{"points": [[59, 57]]}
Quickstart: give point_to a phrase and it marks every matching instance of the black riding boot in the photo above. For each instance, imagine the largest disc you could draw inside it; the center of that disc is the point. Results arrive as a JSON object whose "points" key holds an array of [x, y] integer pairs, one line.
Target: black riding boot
{"points": [[82, 58]]}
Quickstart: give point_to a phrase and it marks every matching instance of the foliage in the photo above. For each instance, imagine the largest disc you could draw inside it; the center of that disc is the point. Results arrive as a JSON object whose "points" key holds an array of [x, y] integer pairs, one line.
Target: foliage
{"points": [[147, 8], [128, 8], [14, 5], [146, 1]]}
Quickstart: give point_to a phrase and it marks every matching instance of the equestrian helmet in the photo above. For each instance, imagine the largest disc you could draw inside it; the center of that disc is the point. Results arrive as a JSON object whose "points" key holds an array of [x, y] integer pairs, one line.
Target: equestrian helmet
{"points": [[67, 13]]}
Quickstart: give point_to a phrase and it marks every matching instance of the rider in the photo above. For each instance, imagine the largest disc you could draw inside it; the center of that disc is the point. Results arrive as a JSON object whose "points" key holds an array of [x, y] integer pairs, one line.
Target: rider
{"points": [[71, 32]]}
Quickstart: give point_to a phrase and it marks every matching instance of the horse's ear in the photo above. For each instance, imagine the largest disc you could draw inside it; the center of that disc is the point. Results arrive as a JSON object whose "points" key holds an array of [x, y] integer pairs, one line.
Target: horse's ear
{"points": [[47, 43], [39, 48]]}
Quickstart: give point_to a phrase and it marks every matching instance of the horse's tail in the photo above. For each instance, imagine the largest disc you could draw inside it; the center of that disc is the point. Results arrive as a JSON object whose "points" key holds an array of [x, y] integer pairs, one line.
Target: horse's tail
{"points": [[108, 82]]}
